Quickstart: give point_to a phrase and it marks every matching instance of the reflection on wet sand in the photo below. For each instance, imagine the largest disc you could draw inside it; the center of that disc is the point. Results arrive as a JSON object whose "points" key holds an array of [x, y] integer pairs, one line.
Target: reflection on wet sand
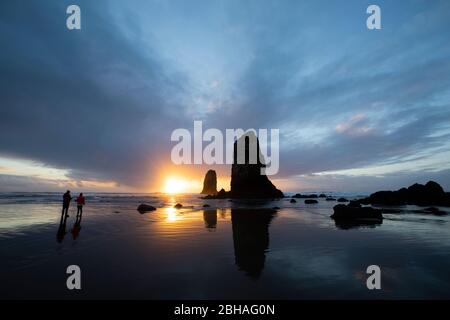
{"points": [[61, 233], [77, 227], [171, 245], [62, 228], [356, 224], [210, 218], [251, 238]]}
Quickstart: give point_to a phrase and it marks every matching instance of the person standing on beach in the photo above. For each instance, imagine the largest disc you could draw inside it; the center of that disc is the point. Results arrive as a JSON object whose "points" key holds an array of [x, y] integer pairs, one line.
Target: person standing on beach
{"points": [[80, 203], [66, 202]]}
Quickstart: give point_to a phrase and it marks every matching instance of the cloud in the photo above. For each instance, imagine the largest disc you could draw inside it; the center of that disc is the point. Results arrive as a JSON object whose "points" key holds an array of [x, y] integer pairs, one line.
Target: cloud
{"points": [[355, 126], [372, 99], [92, 101], [102, 102]]}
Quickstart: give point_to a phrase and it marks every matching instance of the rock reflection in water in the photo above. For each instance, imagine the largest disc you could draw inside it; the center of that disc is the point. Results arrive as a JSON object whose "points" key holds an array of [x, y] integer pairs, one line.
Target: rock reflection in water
{"points": [[251, 238], [356, 224], [210, 218]]}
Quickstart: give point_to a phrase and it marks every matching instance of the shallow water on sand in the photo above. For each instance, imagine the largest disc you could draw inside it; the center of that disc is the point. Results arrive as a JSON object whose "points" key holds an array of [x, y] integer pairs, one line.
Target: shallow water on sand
{"points": [[231, 250]]}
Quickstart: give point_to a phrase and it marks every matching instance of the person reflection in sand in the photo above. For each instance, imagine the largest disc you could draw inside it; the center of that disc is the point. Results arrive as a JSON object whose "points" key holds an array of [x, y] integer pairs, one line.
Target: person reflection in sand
{"points": [[77, 226], [210, 219], [251, 238], [62, 228]]}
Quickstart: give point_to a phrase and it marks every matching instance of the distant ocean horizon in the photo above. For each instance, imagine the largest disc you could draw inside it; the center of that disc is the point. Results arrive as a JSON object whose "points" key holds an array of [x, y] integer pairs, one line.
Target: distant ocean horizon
{"points": [[53, 196]]}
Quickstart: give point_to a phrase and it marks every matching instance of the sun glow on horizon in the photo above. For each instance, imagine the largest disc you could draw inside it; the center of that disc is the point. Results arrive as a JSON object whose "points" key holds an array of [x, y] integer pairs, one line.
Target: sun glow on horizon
{"points": [[175, 185]]}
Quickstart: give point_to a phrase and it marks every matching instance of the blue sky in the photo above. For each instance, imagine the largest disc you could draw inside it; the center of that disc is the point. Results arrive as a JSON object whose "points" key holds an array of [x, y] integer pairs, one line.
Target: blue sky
{"points": [[358, 110]]}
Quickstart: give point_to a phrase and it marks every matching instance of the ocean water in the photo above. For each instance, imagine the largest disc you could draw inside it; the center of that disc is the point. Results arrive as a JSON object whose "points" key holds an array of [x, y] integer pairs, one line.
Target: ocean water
{"points": [[230, 250]]}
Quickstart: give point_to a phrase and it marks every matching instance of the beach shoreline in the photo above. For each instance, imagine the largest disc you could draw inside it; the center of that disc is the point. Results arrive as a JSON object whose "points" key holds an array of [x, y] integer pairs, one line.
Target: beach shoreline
{"points": [[294, 252]]}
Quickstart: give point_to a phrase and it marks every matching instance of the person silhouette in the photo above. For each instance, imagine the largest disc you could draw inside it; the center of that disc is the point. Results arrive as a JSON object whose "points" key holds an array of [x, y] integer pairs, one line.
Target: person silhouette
{"points": [[80, 203], [66, 202]]}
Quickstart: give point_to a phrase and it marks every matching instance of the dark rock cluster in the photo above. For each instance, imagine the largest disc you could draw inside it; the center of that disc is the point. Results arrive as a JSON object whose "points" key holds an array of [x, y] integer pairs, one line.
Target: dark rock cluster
{"points": [[305, 196], [354, 211], [430, 194]]}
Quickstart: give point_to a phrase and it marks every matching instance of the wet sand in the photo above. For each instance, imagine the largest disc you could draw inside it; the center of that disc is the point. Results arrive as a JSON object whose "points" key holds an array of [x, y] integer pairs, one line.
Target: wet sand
{"points": [[231, 250]]}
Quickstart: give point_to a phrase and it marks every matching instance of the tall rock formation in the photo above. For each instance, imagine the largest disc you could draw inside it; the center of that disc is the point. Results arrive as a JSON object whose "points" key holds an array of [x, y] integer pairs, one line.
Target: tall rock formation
{"points": [[247, 181], [210, 183]]}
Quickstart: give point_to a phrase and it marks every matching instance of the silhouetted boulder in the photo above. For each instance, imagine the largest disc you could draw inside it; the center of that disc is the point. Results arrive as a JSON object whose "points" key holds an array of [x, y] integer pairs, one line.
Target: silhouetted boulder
{"points": [[354, 204], [222, 194], [330, 199], [311, 201], [418, 194], [178, 206], [322, 195], [293, 201], [431, 192], [305, 196], [391, 198], [142, 208], [247, 180], [344, 212], [342, 200], [210, 183], [206, 206]]}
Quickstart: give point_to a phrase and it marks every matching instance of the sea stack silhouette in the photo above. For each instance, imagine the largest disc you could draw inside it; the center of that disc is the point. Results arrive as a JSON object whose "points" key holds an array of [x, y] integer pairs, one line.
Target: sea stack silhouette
{"points": [[210, 183], [247, 180]]}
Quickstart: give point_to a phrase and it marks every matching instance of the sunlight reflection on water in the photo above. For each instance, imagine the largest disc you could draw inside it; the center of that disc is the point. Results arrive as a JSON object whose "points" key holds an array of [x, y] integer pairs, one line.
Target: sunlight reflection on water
{"points": [[246, 250]]}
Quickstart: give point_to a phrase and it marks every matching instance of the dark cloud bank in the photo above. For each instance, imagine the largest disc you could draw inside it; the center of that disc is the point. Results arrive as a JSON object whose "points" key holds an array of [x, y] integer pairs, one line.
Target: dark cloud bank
{"points": [[103, 105]]}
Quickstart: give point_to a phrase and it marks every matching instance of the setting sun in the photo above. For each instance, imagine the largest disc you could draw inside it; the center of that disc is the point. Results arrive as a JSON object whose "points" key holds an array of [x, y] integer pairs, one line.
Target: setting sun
{"points": [[177, 185], [174, 185]]}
